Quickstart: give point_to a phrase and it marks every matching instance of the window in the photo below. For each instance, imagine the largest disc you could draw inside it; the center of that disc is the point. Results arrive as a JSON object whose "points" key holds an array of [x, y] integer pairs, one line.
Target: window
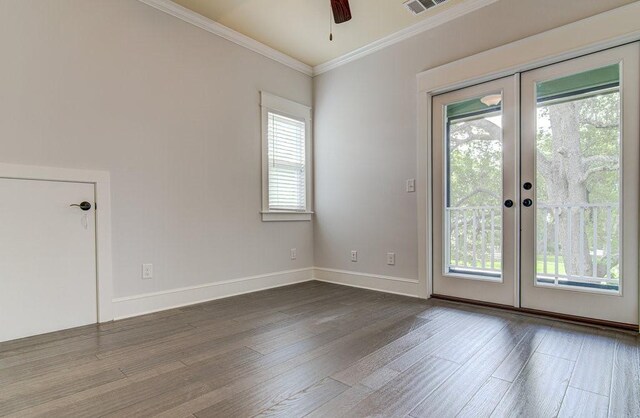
{"points": [[287, 163], [286, 160]]}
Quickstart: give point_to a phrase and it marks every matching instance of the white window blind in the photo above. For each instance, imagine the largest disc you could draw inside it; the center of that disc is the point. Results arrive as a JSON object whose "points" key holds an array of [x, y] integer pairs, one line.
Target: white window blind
{"points": [[287, 159]]}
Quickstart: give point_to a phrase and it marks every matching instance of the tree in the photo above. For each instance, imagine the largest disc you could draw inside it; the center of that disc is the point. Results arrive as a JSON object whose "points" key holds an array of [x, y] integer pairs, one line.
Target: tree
{"points": [[578, 156], [582, 142]]}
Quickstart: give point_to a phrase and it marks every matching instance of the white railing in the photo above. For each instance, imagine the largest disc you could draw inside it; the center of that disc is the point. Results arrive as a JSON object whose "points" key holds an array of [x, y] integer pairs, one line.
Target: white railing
{"points": [[475, 238], [586, 234], [575, 243]]}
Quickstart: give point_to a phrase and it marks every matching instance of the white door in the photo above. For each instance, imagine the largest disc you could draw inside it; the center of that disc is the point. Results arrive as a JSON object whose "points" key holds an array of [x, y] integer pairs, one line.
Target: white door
{"points": [[580, 151], [475, 192], [47, 257]]}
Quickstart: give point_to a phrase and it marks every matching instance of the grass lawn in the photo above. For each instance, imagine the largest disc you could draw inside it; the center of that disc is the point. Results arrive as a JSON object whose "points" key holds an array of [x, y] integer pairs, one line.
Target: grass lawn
{"points": [[551, 265], [497, 265]]}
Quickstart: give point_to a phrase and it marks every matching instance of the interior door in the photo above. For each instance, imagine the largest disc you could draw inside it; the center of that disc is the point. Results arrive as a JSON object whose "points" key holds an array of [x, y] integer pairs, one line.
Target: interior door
{"points": [[580, 186], [47, 257], [475, 192]]}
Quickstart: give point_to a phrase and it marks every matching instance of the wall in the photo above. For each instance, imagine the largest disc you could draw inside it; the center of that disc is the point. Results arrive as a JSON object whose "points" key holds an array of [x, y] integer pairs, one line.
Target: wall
{"points": [[365, 138], [172, 112]]}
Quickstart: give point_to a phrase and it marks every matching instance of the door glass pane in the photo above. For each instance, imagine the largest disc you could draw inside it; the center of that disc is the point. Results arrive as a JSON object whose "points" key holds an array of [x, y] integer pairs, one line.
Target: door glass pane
{"points": [[578, 179], [473, 211]]}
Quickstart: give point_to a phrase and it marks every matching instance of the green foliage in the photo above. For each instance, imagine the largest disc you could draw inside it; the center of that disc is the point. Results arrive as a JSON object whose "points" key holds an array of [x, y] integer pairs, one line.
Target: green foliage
{"points": [[475, 163]]}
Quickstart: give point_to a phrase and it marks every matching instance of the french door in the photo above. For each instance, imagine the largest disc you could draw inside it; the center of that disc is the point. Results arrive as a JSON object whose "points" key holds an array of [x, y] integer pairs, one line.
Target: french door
{"points": [[535, 184], [580, 153], [474, 172]]}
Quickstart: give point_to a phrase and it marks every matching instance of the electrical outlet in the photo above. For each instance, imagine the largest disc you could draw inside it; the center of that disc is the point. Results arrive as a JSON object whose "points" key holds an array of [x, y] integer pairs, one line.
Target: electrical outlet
{"points": [[294, 253], [391, 259], [147, 271], [411, 185], [354, 256]]}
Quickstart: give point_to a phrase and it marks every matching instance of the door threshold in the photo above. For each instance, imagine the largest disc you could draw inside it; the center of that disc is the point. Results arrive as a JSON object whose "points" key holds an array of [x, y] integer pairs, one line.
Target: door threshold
{"points": [[554, 315]]}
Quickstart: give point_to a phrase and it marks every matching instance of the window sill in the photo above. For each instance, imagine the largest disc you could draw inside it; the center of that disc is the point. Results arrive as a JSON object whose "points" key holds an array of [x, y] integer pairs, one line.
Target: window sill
{"points": [[286, 216]]}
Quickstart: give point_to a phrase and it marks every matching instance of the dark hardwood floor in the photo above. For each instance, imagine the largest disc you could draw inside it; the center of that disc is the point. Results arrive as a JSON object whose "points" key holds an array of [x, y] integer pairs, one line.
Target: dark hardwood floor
{"points": [[322, 350]]}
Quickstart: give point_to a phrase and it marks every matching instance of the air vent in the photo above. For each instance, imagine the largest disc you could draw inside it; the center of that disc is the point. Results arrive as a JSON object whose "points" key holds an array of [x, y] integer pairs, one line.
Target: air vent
{"points": [[418, 6]]}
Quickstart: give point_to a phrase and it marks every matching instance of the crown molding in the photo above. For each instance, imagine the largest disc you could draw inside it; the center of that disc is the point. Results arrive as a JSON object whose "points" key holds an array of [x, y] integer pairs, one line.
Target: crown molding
{"points": [[431, 22], [216, 28]]}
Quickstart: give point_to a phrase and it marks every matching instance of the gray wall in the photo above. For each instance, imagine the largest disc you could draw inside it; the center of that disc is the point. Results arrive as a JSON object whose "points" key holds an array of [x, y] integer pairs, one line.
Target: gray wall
{"points": [[172, 112], [365, 131]]}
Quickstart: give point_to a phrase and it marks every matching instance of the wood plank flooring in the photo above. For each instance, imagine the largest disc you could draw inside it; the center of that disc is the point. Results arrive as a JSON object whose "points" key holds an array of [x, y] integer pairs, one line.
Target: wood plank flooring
{"points": [[321, 350]]}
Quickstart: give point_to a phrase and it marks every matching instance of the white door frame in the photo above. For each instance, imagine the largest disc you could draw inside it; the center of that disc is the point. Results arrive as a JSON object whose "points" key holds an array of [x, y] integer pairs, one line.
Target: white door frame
{"points": [[101, 182], [613, 28]]}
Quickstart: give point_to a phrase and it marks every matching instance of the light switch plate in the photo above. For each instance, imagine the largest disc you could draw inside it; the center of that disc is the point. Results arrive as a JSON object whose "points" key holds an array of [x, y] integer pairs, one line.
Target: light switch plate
{"points": [[411, 185], [354, 256], [294, 253]]}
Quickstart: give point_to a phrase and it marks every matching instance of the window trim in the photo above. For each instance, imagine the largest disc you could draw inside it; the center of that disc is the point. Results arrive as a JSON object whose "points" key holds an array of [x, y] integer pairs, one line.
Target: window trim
{"points": [[288, 108]]}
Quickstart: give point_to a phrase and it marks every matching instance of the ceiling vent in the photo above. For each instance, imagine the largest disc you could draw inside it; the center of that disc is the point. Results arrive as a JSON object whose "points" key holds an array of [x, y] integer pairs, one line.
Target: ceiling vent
{"points": [[418, 6]]}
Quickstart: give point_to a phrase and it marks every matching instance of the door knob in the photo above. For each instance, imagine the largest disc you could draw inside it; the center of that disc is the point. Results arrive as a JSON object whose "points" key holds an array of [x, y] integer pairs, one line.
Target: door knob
{"points": [[527, 186], [527, 202], [84, 205], [508, 203]]}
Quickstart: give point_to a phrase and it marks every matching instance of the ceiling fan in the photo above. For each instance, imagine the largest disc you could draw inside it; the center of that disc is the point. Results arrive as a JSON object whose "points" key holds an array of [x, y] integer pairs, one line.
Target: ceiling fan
{"points": [[341, 13]]}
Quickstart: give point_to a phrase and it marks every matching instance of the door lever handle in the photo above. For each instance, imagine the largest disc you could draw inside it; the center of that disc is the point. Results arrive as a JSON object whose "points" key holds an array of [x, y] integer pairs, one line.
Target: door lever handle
{"points": [[84, 205]]}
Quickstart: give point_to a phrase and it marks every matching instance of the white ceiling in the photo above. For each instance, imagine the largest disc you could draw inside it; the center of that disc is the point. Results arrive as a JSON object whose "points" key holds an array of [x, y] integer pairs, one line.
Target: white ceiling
{"points": [[300, 28]]}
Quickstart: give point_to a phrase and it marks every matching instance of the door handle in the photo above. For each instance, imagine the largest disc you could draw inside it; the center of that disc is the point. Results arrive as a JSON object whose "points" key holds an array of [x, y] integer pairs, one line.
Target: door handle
{"points": [[508, 203], [527, 202], [84, 205]]}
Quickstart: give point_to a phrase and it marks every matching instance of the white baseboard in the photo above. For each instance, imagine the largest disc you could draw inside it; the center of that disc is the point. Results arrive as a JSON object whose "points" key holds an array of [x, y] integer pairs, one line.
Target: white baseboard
{"points": [[130, 306], [159, 301], [388, 284]]}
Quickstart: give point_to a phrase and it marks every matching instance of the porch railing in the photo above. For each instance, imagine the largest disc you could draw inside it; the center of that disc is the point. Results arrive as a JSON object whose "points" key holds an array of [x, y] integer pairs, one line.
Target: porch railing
{"points": [[475, 241], [577, 243]]}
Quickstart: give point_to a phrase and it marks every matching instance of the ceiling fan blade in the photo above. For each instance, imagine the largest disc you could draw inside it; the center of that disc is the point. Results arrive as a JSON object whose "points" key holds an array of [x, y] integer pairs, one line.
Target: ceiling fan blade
{"points": [[341, 10]]}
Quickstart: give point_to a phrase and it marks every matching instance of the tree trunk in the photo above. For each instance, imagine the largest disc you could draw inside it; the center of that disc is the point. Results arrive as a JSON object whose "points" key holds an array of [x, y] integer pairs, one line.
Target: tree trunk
{"points": [[565, 182]]}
